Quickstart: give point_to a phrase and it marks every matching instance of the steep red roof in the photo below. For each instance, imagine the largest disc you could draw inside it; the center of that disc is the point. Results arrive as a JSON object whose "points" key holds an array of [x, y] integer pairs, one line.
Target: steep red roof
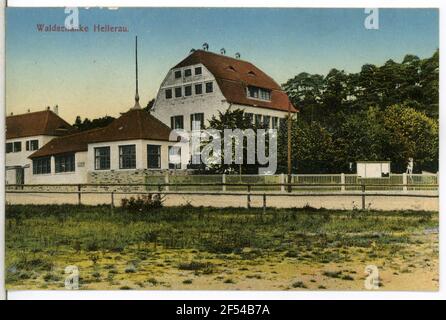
{"points": [[234, 75], [36, 123], [134, 124]]}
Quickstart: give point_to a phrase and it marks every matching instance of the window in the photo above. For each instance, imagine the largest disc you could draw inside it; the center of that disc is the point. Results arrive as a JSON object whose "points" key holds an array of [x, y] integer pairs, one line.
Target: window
{"points": [[168, 93], [17, 146], [259, 93], [275, 123], [102, 158], [282, 122], [42, 165], [127, 157], [178, 92], [178, 74], [176, 122], [258, 119], [187, 72], [197, 71], [153, 156], [174, 157], [197, 121], [64, 163], [198, 88], [32, 145], [249, 116], [209, 87], [188, 91], [9, 147], [266, 121]]}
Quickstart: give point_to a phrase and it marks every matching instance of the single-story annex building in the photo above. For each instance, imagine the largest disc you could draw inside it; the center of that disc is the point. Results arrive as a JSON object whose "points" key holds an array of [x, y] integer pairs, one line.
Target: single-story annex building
{"points": [[129, 149]]}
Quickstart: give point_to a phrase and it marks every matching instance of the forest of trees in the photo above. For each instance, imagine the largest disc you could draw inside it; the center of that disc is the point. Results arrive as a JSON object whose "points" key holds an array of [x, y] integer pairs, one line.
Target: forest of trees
{"points": [[387, 112]]}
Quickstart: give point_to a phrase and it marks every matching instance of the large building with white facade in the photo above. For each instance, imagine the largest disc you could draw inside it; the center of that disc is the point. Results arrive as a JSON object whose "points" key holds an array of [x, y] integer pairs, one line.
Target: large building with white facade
{"points": [[205, 83]]}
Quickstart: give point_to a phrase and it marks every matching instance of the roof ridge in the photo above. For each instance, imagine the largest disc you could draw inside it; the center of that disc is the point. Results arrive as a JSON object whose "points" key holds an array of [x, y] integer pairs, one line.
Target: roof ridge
{"points": [[223, 55], [27, 113]]}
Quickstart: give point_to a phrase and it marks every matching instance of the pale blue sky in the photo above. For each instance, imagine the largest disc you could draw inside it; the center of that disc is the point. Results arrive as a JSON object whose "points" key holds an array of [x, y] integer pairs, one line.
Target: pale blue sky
{"points": [[92, 74]]}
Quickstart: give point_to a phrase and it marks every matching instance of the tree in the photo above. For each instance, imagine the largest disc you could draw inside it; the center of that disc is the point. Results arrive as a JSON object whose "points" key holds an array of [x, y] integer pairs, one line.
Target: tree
{"points": [[312, 148], [88, 124], [233, 119], [411, 134], [149, 105]]}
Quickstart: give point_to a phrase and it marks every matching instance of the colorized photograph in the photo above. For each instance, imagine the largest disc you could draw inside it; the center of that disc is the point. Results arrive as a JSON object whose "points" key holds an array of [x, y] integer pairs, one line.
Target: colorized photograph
{"points": [[267, 149]]}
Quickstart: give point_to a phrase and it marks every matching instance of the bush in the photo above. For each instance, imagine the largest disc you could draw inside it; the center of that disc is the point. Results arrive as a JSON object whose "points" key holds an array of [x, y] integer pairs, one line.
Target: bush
{"points": [[144, 203]]}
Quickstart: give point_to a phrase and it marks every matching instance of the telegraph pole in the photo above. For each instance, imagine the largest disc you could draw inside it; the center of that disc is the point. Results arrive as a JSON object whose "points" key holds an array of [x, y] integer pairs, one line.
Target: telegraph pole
{"points": [[289, 146]]}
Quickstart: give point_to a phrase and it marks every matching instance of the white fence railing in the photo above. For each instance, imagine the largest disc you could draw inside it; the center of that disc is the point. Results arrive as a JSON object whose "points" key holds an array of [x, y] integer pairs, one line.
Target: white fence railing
{"points": [[393, 182]]}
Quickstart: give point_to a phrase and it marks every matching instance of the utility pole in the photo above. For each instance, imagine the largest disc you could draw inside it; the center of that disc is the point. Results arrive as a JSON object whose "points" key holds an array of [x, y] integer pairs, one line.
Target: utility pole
{"points": [[289, 146]]}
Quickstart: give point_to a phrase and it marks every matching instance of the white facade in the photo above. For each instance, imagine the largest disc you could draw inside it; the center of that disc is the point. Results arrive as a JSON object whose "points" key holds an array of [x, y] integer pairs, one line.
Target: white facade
{"points": [[79, 175], [141, 154], [207, 103], [18, 160], [372, 169]]}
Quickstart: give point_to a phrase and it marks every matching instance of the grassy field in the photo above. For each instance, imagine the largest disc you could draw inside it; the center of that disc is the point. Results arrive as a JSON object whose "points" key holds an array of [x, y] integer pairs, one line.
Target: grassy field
{"points": [[215, 249]]}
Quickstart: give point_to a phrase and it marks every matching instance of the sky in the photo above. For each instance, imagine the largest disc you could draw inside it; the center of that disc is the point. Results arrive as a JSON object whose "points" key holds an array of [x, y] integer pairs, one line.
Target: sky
{"points": [[92, 74]]}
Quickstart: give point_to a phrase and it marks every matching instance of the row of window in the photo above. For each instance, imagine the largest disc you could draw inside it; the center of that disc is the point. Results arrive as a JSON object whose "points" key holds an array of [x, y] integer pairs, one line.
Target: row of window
{"points": [[259, 93], [31, 145], [186, 91], [187, 72], [268, 121], [196, 121], [64, 163], [127, 159]]}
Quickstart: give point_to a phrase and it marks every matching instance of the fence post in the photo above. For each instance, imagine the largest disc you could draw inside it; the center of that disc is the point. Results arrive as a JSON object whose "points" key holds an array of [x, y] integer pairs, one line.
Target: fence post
{"points": [[249, 196], [363, 195], [264, 203], [223, 180], [79, 194], [404, 181], [342, 182], [112, 204], [166, 180], [282, 181]]}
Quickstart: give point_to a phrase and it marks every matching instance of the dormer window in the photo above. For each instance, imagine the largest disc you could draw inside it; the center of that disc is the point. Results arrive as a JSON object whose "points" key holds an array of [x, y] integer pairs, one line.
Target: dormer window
{"points": [[231, 68], [259, 93], [252, 73]]}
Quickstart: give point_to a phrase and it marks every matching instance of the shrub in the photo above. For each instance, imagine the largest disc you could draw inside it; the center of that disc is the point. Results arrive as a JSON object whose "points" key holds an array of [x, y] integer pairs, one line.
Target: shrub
{"points": [[299, 284], [144, 203]]}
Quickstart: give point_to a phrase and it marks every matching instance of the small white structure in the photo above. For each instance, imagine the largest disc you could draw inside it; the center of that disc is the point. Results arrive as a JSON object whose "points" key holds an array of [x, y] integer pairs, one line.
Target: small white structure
{"points": [[373, 169]]}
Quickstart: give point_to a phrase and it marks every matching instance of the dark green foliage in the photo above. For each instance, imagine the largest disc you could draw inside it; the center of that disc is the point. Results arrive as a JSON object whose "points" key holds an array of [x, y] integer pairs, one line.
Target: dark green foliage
{"points": [[387, 112], [145, 203]]}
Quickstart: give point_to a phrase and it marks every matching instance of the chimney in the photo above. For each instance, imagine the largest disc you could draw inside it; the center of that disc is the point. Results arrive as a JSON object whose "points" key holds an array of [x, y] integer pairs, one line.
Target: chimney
{"points": [[56, 109]]}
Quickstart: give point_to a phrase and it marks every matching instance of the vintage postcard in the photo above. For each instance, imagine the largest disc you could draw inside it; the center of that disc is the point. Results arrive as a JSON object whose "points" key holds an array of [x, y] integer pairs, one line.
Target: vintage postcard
{"points": [[266, 149]]}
